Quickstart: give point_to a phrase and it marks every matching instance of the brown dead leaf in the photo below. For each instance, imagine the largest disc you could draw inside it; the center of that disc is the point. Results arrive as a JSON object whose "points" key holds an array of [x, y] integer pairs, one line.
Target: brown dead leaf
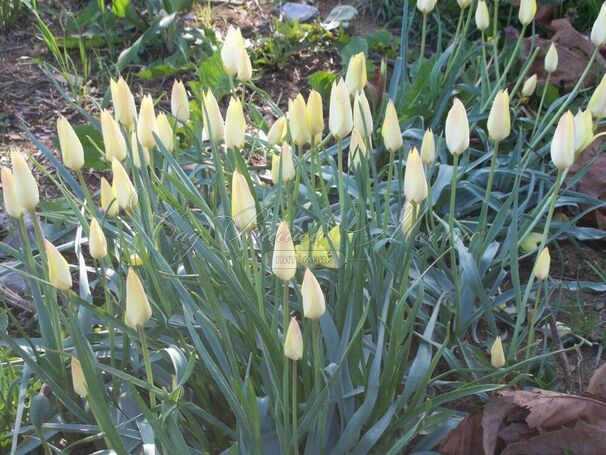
{"points": [[597, 384], [465, 439], [494, 413]]}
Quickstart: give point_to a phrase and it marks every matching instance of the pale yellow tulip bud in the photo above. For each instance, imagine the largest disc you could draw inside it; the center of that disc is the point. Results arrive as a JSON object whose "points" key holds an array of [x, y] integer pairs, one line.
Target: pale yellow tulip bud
{"points": [[562, 144], [284, 259], [499, 122], [135, 260], [72, 151], [428, 147], [58, 268], [392, 135], [293, 344], [26, 188], [147, 125], [415, 184], [541, 268], [356, 78], [138, 151], [123, 188], [529, 86], [583, 131], [340, 118], [230, 52], [179, 103], [408, 219], [109, 201], [464, 4], [315, 115], [314, 305], [97, 244], [597, 102], [528, 8], [598, 31], [138, 311], [531, 242], [457, 128], [362, 116], [123, 100], [165, 132], [286, 161], [297, 121], [243, 209], [277, 131], [235, 124], [113, 140], [10, 197], [426, 6], [78, 380], [357, 149], [244, 66], [497, 356], [482, 16], [213, 120], [551, 59]]}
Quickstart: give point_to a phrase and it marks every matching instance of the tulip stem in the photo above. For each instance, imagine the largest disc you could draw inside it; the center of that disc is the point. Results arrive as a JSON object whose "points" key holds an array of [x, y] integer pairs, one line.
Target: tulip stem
{"points": [[148, 369], [538, 116], [256, 274], [453, 254], [532, 322], [294, 408], [340, 179], [493, 165], [495, 41], [388, 189], [423, 36], [316, 348], [285, 314], [87, 195], [524, 302]]}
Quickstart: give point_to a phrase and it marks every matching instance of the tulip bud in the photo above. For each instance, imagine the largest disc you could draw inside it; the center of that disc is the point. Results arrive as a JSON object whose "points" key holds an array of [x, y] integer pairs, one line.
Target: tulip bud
{"points": [[562, 144], [482, 16], [315, 115], [529, 86], [362, 117], [457, 128], [531, 242], [58, 268], [213, 121], [357, 149], [408, 219], [235, 124], [428, 147], [113, 141], [147, 124], [138, 311], [499, 123], [109, 202], [314, 305], [179, 103], [26, 188], [551, 59], [583, 131], [497, 356], [277, 131], [243, 209], [528, 8], [340, 121], [426, 6], [464, 4], [72, 152], [244, 66], [230, 52], [138, 152], [78, 379], [284, 259], [124, 190], [288, 167], [597, 102], [297, 121], [392, 136], [293, 344], [135, 260], [598, 31], [356, 77], [541, 268], [165, 132], [96, 241], [415, 184], [10, 197], [125, 109]]}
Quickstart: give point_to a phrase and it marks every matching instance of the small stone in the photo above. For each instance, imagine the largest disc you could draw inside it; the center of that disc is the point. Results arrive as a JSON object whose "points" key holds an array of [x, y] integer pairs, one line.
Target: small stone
{"points": [[15, 282], [298, 11]]}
